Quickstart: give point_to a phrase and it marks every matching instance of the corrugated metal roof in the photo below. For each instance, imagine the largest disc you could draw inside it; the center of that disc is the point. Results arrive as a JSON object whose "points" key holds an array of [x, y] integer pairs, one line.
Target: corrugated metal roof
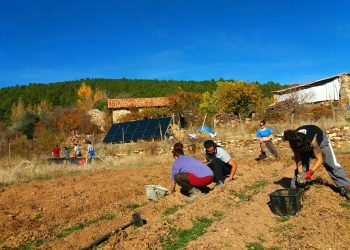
{"points": [[308, 85], [138, 102]]}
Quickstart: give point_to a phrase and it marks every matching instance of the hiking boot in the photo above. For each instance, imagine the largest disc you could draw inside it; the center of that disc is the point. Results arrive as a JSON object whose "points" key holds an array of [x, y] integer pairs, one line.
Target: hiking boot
{"points": [[345, 191], [261, 157], [219, 183]]}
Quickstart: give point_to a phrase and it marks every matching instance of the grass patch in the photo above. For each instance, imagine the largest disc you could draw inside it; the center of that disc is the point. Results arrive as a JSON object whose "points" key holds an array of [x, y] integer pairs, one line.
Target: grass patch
{"points": [[37, 243], [2, 185], [345, 204], [283, 228], [250, 190], [258, 246], [107, 217], [32, 244], [76, 227], [172, 210], [38, 217], [257, 186], [71, 230], [50, 176], [179, 238], [240, 195], [255, 246], [132, 206], [282, 218], [79, 226], [218, 215]]}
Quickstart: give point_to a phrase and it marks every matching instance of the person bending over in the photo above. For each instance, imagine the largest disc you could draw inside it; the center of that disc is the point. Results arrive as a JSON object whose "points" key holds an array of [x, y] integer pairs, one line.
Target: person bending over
{"points": [[308, 142], [220, 162], [189, 173]]}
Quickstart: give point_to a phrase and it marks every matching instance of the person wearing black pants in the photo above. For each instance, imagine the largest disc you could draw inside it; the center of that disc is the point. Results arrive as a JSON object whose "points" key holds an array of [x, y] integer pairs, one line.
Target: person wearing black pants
{"points": [[224, 168]]}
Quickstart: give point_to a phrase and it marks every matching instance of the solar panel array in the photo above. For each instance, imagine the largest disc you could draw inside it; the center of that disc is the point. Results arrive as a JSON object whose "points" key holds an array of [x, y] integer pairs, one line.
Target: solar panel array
{"points": [[137, 130]]}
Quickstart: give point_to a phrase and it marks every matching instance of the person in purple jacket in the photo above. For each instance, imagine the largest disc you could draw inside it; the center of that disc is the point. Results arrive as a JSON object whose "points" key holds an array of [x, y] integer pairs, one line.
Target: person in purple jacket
{"points": [[189, 173], [264, 134]]}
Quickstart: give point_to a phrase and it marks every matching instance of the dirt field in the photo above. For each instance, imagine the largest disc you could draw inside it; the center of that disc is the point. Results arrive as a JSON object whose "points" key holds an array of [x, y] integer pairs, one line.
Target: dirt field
{"points": [[71, 212]]}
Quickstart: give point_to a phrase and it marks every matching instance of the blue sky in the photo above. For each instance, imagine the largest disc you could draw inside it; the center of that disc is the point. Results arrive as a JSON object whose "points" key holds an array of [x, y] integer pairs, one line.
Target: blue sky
{"points": [[293, 41]]}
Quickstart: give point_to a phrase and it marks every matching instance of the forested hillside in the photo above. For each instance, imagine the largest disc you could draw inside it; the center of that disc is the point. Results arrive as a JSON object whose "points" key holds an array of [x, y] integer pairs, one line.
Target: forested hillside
{"points": [[65, 93]]}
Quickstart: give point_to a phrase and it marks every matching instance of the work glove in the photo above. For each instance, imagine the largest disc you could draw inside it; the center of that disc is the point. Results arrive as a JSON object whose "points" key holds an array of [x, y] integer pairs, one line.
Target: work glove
{"points": [[308, 175]]}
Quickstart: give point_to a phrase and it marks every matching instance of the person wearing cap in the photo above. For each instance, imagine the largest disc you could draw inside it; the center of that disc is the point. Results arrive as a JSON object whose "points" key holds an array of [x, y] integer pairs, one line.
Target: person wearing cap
{"points": [[189, 173], [310, 142], [220, 162]]}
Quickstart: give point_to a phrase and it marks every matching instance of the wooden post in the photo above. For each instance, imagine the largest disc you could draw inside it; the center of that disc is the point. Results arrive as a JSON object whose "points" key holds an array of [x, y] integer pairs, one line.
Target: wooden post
{"points": [[161, 134], [205, 117], [333, 111], [192, 130], [123, 134], [9, 147]]}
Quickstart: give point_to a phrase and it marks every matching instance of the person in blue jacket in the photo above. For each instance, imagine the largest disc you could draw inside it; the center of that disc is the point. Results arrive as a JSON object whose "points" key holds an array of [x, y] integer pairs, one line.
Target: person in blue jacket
{"points": [[265, 136]]}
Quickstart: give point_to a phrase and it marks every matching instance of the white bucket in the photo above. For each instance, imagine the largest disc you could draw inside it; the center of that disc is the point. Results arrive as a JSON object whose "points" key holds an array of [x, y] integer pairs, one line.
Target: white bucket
{"points": [[154, 192]]}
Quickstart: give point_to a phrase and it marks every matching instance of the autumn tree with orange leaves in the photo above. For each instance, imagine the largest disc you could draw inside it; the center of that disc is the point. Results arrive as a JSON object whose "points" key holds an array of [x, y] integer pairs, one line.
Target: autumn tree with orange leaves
{"points": [[87, 98], [183, 101], [231, 97]]}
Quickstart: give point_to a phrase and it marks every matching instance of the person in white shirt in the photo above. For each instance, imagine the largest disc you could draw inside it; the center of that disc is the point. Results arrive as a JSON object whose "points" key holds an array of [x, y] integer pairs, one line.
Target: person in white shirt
{"points": [[90, 152], [220, 162]]}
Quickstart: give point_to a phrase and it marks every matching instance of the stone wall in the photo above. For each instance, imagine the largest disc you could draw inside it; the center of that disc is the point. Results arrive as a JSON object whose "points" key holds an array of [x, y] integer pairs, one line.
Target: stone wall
{"points": [[98, 118], [344, 89], [118, 114]]}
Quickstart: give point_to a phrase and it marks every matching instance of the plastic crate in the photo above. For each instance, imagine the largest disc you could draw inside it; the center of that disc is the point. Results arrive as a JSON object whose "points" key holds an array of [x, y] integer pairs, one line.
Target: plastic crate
{"points": [[286, 201]]}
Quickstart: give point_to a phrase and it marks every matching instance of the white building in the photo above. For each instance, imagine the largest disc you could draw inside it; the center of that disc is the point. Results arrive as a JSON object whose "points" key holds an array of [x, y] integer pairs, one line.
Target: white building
{"points": [[334, 88]]}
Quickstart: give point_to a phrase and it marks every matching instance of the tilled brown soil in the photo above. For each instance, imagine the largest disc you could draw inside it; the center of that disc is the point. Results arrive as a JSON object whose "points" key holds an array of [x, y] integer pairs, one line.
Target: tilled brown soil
{"points": [[71, 212]]}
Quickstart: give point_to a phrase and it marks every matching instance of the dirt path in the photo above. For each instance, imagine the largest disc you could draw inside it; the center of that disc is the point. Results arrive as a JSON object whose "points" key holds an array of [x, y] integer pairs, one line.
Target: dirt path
{"points": [[70, 212]]}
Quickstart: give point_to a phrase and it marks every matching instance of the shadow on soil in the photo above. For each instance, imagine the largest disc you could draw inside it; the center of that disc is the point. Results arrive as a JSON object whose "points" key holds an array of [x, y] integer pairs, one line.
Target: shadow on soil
{"points": [[285, 183]]}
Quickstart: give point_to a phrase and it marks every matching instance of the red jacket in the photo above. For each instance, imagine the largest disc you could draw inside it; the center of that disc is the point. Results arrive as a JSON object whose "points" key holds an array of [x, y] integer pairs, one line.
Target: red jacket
{"points": [[56, 151]]}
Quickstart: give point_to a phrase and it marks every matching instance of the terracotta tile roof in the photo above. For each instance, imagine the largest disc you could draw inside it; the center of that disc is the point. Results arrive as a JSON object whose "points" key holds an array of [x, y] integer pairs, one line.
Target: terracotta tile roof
{"points": [[138, 102]]}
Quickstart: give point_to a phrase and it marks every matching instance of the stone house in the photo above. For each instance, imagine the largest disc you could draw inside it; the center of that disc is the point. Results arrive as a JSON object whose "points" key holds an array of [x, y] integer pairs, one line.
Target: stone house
{"points": [[121, 106]]}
